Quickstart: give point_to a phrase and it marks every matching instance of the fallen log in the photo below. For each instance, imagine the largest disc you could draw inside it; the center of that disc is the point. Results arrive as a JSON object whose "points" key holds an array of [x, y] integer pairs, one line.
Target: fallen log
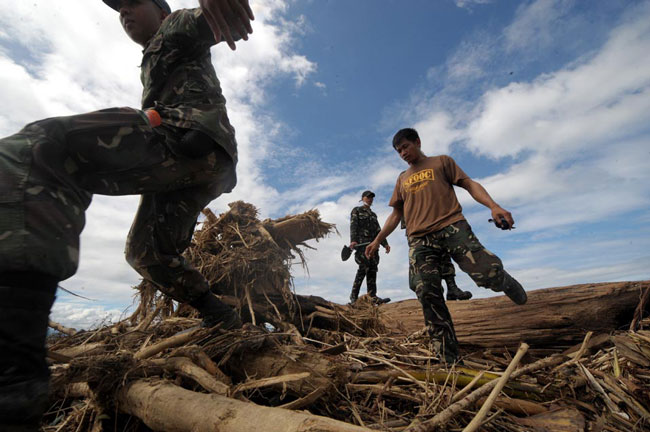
{"points": [[324, 372], [551, 317], [163, 406], [94, 348]]}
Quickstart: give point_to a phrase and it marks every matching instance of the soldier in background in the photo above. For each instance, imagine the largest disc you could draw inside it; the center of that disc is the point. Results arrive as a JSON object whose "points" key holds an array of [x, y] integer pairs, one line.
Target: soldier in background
{"points": [[363, 229], [179, 153]]}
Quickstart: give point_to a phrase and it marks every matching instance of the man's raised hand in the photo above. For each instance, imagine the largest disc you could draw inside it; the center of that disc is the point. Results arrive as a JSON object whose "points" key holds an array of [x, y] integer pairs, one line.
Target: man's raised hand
{"points": [[224, 15], [499, 215]]}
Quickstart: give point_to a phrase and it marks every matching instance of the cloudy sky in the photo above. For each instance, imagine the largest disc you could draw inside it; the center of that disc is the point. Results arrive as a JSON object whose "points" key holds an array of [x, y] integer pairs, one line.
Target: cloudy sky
{"points": [[546, 103]]}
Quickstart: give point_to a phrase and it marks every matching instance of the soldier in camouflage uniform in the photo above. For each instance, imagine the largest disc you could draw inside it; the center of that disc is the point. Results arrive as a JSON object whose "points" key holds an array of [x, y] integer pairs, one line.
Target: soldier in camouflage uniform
{"points": [[178, 158], [436, 227], [363, 229]]}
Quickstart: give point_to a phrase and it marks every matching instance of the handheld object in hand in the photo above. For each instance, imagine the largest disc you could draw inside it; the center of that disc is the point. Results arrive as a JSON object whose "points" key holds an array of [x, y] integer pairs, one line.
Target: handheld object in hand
{"points": [[503, 224], [346, 252]]}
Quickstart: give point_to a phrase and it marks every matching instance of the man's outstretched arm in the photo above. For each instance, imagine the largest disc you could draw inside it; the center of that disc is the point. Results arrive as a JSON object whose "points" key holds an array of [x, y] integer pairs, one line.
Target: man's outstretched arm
{"points": [[224, 15], [478, 192], [389, 226]]}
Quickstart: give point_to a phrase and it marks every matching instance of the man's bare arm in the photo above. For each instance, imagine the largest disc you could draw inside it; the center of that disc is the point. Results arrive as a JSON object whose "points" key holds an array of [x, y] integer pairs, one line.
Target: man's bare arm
{"points": [[478, 192], [389, 226], [224, 15]]}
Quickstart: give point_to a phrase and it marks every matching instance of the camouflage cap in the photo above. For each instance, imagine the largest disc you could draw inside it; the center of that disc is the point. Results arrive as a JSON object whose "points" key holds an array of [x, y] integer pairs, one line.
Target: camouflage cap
{"points": [[368, 193], [162, 4]]}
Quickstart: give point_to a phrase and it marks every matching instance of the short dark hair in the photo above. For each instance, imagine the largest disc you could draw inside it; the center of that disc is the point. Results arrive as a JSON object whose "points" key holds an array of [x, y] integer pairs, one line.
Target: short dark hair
{"points": [[408, 134]]}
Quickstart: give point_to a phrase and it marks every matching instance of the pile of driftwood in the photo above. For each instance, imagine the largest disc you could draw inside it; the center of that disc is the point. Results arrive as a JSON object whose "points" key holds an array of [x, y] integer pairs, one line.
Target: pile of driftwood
{"points": [[305, 364]]}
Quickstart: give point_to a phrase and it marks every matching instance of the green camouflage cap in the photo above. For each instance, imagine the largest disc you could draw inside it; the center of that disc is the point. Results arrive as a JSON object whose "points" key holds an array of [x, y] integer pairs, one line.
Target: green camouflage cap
{"points": [[162, 4]]}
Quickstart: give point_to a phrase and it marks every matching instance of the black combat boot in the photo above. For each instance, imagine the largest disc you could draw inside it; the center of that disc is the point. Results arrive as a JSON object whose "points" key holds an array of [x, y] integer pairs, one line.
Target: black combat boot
{"points": [[354, 295], [513, 289], [450, 358], [24, 375], [455, 293], [379, 300], [214, 311], [449, 354]]}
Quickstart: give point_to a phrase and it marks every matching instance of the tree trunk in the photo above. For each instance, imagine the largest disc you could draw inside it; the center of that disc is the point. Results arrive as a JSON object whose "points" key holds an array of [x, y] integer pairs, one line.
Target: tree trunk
{"points": [[163, 406], [551, 317], [325, 371]]}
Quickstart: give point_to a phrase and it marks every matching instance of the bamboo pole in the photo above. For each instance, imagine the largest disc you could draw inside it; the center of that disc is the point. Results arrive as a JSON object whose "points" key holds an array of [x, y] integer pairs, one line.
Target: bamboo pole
{"points": [[451, 411], [468, 387], [476, 421], [265, 382], [61, 328], [185, 367], [306, 400], [174, 341]]}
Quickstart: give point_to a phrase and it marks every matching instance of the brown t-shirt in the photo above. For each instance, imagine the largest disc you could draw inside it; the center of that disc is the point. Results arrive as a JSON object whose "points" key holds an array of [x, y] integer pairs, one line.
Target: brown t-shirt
{"points": [[425, 193]]}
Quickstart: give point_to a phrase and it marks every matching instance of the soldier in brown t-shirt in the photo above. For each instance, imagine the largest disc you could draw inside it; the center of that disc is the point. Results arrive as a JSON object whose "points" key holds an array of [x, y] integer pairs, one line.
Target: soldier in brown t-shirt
{"points": [[424, 196]]}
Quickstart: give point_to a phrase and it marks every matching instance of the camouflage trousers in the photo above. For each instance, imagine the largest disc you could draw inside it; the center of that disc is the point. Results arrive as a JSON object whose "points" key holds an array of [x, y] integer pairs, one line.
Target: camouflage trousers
{"points": [[50, 170], [367, 270], [426, 254], [447, 269]]}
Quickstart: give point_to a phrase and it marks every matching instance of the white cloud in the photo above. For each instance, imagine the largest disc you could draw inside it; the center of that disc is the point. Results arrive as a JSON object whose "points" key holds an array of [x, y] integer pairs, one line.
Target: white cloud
{"points": [[534, 24], [468, 4], [79, 315], [470, 60], [603, 99], [440, 132]]}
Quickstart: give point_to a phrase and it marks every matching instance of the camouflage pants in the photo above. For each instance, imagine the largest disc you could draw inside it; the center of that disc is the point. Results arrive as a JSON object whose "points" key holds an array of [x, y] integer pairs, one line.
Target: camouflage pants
{"points": [[50, 170], [367, 270], [447, 269], [426, 254]]}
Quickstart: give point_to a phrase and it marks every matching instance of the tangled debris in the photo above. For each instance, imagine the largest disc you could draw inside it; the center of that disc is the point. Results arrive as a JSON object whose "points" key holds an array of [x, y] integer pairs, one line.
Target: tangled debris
{"points": [[311, 365]]}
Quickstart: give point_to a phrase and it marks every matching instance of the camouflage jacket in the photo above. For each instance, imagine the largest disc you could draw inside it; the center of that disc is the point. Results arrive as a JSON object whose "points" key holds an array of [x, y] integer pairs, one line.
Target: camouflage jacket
{"points": [[179, 79], [364, 226]]}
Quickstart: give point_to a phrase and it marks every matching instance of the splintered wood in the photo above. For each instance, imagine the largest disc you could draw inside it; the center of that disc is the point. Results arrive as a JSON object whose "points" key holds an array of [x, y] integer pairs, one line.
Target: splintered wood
{"points": [[311, 365]]}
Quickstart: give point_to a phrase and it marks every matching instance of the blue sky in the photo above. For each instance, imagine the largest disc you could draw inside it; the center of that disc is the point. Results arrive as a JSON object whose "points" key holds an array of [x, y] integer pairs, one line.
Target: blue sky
{"points": [[543, 102]]}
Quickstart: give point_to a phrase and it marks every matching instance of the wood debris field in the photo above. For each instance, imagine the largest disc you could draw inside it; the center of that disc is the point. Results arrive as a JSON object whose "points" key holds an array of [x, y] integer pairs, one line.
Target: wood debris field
{"points": [[572, 359]]}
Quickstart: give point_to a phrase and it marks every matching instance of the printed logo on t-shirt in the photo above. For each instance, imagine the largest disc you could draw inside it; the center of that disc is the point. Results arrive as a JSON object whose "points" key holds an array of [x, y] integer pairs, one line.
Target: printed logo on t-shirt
{"points": [[415, 182]]}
